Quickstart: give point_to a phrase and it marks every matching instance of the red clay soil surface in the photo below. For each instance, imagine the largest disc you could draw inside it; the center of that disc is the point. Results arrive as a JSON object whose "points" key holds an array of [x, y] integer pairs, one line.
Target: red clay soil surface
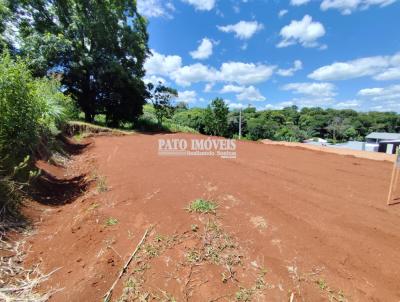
{"points": [[291, 224]]}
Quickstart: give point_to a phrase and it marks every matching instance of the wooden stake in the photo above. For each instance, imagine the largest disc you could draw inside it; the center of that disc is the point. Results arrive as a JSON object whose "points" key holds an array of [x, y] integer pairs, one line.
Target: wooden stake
{"points": [[394, 179], [107, 296]]}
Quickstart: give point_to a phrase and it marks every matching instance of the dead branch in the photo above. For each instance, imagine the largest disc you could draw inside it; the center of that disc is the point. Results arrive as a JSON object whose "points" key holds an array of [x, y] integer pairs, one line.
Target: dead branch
{"points": [[108, 295]]}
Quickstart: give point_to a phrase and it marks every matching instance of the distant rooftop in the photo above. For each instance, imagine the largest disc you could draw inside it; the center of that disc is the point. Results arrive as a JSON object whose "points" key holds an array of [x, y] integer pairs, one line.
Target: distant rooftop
{"points": [[383, 135]]}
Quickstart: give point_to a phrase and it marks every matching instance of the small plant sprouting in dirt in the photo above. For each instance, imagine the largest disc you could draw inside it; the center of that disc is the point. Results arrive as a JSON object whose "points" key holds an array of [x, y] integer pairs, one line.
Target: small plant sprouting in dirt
{"points": [[101, 184], [244, 294], [79, 137], [332, 294], [93, 206], [194, 228], [202, 206], [321, 284], [247, 294], [111, 221], [151, 250], [158, 245], [194, 256], [134, 290], [339, 296]]}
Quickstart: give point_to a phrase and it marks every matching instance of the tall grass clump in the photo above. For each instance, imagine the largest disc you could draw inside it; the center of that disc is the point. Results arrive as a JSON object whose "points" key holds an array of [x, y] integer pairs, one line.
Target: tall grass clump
{"points": [[31, 112]]}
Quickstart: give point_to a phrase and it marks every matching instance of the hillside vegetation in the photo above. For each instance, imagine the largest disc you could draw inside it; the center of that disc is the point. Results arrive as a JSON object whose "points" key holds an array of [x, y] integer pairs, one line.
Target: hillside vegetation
{"points": [[32, 112]]}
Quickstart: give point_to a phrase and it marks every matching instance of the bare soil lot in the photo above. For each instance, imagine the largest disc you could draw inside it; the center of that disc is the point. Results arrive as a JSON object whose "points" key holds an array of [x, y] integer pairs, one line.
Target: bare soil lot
{"points": [[291, 223]]}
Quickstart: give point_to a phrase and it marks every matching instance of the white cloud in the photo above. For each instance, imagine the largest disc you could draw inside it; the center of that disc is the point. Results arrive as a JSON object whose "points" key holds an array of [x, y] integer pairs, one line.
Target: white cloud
{"points": [[159, 64], [389, 74], [187, 96], [278, 106], [204, 50], [370, 91], [195, 73], [155, 8], [208, 87], [201, 4], [351, 104], [312, 89], [305, 32], [244, 93], [243, 30], [390, 93], [269, 107], [282, 12], [232, 89], [379, 67], [298, 2], [250, 94], [236, 105], [297, 65], [155, 80], [385, 98], [285, 104], [229, 72], [245, 73], [346, 7]]}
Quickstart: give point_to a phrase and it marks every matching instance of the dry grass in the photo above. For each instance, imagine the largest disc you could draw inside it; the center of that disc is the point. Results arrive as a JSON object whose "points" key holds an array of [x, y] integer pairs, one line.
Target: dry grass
{"points": [[82, 130], [16, 282]]}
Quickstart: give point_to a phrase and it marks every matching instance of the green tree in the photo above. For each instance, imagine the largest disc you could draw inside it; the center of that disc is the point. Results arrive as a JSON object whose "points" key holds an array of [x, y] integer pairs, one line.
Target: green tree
{"points": [[99, 47], [4, 17], [193, 118], [161, 96], [216, 118], [257, 128], [338, 127]]}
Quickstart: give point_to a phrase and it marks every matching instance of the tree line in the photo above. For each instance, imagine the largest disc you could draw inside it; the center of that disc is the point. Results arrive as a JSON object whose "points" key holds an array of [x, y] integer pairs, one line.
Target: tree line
{"points": [[287, 124]]}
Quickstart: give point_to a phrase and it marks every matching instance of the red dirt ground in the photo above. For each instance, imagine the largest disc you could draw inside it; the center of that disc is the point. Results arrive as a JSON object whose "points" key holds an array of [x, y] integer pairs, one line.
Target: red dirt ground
{"points": [[316, 223]]}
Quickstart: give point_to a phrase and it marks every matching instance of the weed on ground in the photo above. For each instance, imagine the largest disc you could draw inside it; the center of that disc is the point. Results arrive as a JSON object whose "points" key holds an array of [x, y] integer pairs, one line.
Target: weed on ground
{"points": [[202, 206]]}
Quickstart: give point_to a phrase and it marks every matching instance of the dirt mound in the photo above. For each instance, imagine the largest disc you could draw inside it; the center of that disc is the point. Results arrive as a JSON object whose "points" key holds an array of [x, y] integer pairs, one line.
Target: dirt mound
{"points": [[289, 223]]}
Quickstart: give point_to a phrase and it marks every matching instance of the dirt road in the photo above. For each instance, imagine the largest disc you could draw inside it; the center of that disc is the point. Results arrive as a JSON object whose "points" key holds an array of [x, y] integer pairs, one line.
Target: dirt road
{"points": [[300, 223]]}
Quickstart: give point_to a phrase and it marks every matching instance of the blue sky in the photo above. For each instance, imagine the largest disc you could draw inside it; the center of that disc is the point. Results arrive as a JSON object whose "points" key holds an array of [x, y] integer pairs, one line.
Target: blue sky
{"points": [[271, 54]]}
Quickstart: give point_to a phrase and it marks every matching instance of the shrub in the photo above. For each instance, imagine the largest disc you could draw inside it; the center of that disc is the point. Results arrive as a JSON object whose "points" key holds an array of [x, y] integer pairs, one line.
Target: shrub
{"points": [[193, 118], [30, 109]]}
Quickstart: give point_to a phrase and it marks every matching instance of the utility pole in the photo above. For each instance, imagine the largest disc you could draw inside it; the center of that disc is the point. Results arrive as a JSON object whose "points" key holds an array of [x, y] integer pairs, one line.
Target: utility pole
{"points": [[240, 123]]}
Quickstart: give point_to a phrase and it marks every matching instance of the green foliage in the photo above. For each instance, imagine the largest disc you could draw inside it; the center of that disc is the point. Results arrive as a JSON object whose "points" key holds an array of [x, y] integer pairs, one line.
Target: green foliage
{"points": [[30, 109], [202, 206], [111, 221], [21, 111], [99, 47], [148, 122], [216, 118], [4, 17], [161, 97], [291, 124], [193, 118], [170, 126]]}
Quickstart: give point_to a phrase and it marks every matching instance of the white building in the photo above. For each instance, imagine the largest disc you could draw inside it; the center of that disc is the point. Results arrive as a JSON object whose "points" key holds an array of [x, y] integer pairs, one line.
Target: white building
{"points": [[373, 139]]}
